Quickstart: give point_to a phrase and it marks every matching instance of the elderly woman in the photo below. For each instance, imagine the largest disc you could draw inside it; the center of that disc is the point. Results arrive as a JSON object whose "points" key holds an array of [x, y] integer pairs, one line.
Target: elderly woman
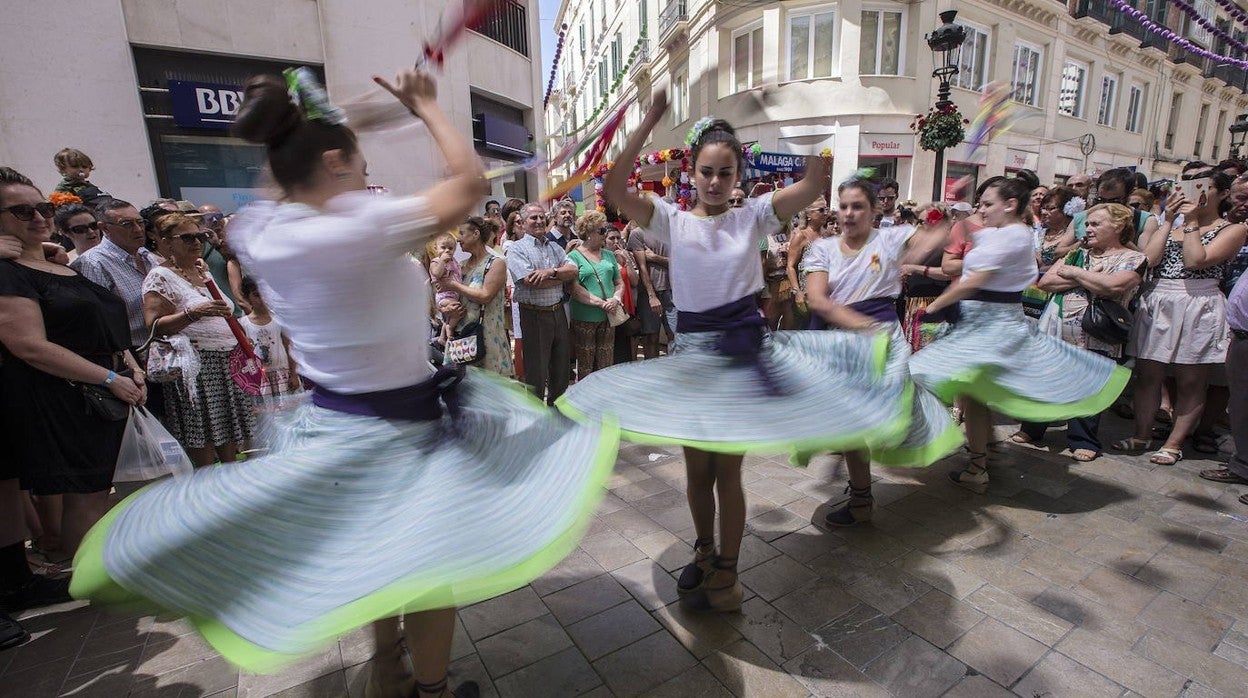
{"points": [[1035, 200], [630, 273], [482, 293], [597, 291], [1057, 209], [217, 418], [66, 385], [78, 223], [1107, 268], [1181, 322]]}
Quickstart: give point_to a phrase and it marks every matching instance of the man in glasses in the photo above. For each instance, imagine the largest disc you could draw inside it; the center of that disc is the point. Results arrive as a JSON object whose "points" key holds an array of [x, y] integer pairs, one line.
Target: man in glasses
{"points": [[213, 222], [120, 262], [737, 198], [888, 204]]}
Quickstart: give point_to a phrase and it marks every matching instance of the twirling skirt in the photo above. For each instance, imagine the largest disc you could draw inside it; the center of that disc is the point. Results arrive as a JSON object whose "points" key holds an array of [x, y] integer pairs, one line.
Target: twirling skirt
{"points": [[831, 396], [932, 434], [348, 519], [996, 357]]}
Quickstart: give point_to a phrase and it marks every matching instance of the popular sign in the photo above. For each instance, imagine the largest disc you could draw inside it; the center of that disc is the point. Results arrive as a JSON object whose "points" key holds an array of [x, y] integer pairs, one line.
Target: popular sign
{"points": [[886, 145]]}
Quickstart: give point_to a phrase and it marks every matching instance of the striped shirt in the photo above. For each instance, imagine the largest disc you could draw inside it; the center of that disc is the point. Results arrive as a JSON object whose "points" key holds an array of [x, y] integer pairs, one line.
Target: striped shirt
{"points": [[527, 255], [118, 271]]}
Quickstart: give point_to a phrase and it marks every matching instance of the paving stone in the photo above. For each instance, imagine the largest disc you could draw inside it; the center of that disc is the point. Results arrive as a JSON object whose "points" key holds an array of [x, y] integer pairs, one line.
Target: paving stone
{"points": [[644, 665], [916, 669], [522, 645], [1196, 663], [1124, 556], [1027, 618], [1059, 675], [583, 600], [889, 589], [861, 635], [699, 633], [207, 677], [746, 671], [1088, 614], [563, 674], [471, 668], [1112, 588], [577, 567], [776, 523], [816, 603], [328, 686], [1186, 620], [939, 574], [1114, 659], [1183, 577], [695, 681], [826, 674], [500, 613], [650, 584], [938, 618], [1230, 596], [978, 686], [162, 657], [997, 651], [611, 550], [612, 629], [776, 577], [329, 661], [640, 489], [754, 551], [666, 549], [770, 630], [807, 544]]}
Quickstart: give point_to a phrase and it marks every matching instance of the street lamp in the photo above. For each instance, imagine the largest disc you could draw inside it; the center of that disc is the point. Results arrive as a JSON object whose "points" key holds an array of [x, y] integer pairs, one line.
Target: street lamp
{"points": [[1239, 131], [946, 45]]}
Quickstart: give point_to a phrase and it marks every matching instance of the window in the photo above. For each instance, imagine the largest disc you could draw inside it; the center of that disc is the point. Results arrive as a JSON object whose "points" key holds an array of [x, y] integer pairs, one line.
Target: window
{"points": [[812, 43], [680, 99], [1026, 75], [602, 78], [581, 31], [973, 59], [1176, 103], [1074, 90], [1197, 33], [747, 58], [1135, 108], [643, 16], [880, 50], [1217, 135], [1109, 98], [1200, 131], [617, 54]]}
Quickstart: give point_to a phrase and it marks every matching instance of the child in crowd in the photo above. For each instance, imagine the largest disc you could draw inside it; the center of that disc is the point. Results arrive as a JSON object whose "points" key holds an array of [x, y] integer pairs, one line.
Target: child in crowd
{"points": [[75, 168], [270, 343], [444, 268]]}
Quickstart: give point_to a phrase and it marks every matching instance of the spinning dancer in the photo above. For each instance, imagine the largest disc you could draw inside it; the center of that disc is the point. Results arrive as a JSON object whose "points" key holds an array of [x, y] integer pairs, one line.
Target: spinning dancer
{"points": [[992, 356], [852, 282], [719, 393], [368, 505]]}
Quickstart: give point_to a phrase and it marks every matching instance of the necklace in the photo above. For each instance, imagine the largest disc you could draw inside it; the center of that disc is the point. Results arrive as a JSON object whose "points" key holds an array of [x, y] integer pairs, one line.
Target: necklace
{"points": [[186, 276]]}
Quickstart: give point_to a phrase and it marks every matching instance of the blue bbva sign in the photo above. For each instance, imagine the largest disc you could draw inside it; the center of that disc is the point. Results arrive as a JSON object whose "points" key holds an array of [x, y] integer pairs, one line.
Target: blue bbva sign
{"points": [[204, 105]]}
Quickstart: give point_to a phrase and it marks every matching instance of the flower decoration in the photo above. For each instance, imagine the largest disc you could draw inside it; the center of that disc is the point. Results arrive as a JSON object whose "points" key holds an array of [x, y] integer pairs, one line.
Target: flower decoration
{"points": [[1075, 205], [699, 127], [61, 198], [934, 216], [940, 128]]}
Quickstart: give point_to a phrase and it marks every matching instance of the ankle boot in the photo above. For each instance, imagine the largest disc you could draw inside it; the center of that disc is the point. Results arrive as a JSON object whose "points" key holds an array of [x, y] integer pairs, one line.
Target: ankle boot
{"points": [[720, 592], [694, 573], [857, 510], [975, 476], [389, 677]]}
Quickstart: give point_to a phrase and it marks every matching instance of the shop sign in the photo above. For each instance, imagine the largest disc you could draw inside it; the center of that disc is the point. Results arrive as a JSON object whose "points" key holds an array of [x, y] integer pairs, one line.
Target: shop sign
{"points": [[886, 145], [778, 162], [1021, 160], [204, 105]]}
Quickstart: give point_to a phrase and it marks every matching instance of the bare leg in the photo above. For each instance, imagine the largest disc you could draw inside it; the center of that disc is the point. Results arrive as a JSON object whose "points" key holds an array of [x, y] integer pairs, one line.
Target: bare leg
{"points": [[700, 491], [1189, 402], [861, 504], [389, 678], [37, 510], [731, 503], [429, 635], [12, 518], [978, 433], [80, 514], [1149, 377]]}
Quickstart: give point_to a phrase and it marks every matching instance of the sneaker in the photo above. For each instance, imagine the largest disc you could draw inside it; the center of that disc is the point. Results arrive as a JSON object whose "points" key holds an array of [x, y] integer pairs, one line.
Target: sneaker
{"points": [[35, 593], [12, 633]]}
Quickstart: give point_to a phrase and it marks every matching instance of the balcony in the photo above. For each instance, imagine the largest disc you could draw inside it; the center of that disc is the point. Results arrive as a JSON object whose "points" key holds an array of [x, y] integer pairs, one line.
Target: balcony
{"points": [[673, 18], [1179, 57], [1232, 75], [509, 26], [1106, 13], [642, 62]]}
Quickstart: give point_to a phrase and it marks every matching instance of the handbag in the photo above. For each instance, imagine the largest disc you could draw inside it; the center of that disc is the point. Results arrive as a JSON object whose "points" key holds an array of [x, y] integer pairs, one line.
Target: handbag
{"points": [[468, 346], [616, 317], [100, 402], [168, 357], [1106, 320]]}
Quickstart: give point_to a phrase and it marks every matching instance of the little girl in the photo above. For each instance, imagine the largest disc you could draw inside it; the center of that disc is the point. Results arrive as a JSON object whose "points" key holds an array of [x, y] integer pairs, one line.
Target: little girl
{"points": [[444, 268], [270, 343]]}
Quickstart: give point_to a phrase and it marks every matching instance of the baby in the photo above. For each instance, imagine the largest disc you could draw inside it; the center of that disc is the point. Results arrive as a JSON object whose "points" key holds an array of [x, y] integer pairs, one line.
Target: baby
{"points": [[443, 269], [75, 168]]}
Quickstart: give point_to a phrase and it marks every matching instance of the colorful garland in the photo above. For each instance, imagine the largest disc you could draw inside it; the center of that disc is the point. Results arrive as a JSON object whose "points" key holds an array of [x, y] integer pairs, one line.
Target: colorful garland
{"points": [[1212, 28], [554, 67], [615, 86], [1157, 30], [1233, 10]]}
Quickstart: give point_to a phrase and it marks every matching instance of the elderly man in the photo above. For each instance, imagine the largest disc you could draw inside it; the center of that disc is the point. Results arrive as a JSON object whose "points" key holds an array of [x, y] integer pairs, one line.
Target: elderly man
{"points": [[737, 198], [539, 268], [564, 217], [1081, 183], [120, 262], [1112, 187]]}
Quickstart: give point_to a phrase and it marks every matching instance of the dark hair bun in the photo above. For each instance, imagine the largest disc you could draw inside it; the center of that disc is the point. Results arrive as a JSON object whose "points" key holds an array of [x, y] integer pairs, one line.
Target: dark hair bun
{"points": [[268, 115], [719, 125]]}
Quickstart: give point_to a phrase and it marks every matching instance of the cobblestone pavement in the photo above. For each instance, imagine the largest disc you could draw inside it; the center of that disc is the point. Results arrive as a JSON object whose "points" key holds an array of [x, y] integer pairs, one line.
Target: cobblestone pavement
{"points": [[1115, 578]]}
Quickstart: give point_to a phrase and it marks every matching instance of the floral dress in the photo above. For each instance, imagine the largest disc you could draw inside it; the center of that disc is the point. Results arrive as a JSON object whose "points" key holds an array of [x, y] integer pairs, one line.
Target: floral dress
{"points": [[492, 316]]}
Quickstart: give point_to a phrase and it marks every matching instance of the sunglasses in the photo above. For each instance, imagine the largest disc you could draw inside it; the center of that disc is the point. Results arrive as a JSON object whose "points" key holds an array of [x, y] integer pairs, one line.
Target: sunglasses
{"points": [[84, 228], [132, 223], [25, 212], [1135, 205], [189, 238], [736, 200]]}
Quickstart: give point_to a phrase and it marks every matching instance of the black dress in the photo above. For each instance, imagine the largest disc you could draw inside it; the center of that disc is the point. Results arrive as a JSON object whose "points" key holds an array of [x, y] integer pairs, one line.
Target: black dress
{"points": [[56, 445]]}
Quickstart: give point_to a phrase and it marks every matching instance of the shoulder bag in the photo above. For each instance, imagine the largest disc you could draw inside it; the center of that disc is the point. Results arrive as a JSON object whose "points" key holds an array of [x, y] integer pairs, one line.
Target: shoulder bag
{"points": [[468, 344]]}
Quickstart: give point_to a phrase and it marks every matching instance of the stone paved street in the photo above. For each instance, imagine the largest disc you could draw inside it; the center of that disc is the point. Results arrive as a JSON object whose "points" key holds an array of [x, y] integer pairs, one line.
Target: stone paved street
{"points": [[1114, 578]]}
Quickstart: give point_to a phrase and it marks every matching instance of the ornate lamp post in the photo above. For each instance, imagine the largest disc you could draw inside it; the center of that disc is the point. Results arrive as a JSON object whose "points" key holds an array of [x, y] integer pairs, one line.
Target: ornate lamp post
{"points": [[946, 45], [1239, 132]]}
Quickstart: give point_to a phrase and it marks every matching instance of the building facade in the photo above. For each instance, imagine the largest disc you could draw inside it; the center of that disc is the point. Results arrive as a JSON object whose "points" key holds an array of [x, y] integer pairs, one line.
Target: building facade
{"points": [[849, 76], [147, 88]]}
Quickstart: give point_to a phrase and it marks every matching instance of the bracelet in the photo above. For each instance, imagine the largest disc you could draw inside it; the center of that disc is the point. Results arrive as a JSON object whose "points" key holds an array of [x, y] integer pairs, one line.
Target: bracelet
{"points": [[112, 375], [925, 272], [188, 315]]}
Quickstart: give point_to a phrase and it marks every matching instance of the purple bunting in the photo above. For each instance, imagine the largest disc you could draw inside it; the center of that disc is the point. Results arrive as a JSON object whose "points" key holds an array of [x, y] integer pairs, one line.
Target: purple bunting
{"points": [[1217, 31], [1153, 28]]}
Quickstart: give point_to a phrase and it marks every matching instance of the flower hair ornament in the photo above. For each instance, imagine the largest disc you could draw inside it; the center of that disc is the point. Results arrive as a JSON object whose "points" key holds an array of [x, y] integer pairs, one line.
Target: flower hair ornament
{"points": [[308, 94], [1075, 205], [699, 128]]}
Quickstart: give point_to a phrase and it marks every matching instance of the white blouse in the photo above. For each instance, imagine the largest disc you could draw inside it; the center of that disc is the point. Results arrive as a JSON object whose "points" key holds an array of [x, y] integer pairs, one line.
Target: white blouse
{"points": [[209, 333], [872, 272], [1009, 255]]}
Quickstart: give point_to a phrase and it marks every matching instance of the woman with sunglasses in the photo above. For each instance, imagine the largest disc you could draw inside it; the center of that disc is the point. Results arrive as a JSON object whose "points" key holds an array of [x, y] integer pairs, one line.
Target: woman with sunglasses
{"points": [[78, 223], [630, 276], [208, 413], [597, 291]]}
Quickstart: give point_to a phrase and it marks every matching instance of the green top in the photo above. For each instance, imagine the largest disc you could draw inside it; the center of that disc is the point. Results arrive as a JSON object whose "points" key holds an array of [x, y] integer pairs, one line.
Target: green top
{"points": [[608, 271]]}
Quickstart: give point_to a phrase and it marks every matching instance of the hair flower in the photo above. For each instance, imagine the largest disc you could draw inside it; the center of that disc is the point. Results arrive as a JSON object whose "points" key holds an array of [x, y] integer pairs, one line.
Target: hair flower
{"points": [[935, 216], [306, 92], [699, 127], [1075, 205]]}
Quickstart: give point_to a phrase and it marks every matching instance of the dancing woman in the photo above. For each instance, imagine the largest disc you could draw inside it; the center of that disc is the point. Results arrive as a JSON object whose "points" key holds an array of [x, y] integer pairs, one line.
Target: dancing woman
{"points": [[362, 510], [852, 282], [719, 393], [992, 356]]}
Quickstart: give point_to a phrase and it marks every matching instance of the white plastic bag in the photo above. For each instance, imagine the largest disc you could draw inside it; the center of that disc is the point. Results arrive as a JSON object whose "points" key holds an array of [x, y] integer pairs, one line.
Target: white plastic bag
{"points": [[149, 451]]}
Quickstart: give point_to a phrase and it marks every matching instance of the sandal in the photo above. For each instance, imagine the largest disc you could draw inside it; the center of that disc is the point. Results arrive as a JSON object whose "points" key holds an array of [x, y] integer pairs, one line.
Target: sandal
{"points": [[694, 574], [1243, 499], [12, 633], [1084, 455], [1204, 443], [975, 476], [1166, 456], [1133, 444], [467, 689], [722, 591], [1164, 416], [1223, 475], [1021, 437], [858, 509]]}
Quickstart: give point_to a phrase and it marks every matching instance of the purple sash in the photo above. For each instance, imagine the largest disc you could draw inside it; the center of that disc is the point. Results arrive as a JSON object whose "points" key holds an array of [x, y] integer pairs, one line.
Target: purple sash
{"points": [[743, 329], [421, 402]]}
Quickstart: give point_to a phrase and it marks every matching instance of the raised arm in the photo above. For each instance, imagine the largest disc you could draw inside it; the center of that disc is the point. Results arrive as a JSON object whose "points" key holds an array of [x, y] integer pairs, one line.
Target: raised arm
{"points": [[615, 185], [790, 201], [1222, 249]]}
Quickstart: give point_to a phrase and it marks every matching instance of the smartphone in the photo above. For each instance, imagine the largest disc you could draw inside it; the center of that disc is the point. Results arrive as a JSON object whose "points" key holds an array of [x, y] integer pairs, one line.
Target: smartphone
{"points": [[1195, 190]]}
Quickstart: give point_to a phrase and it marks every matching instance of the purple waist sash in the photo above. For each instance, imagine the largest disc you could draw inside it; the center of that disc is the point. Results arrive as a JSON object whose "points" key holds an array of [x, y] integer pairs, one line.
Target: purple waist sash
{"points": [[743, 329], [879, 309], [421, 402]]}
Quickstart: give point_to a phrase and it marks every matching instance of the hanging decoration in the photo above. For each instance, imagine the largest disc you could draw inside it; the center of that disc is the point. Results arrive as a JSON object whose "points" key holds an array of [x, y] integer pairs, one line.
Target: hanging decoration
{"points": [[1157, 30], [1233, 10], [614, 88], [554, 67], [597, 151], [1189, 10], [940, 128]]}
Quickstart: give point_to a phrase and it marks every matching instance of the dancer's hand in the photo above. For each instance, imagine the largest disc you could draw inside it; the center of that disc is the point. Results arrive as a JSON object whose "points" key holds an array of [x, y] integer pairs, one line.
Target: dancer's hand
{"points": [[416, 90], [658, 106]]}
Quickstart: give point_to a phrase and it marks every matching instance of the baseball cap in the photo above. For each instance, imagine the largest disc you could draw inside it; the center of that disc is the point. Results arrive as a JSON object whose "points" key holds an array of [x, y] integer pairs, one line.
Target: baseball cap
{"points": [[961, 207]]}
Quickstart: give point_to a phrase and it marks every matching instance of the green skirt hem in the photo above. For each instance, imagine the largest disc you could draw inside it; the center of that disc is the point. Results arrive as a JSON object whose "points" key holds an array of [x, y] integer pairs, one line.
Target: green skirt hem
{"points": [[979, 385], [949, 441]]}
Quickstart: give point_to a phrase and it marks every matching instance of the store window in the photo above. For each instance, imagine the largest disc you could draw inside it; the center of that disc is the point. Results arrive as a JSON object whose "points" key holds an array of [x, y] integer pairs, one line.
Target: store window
{"points": [[747, 58], [812, 43], [880, 49]]}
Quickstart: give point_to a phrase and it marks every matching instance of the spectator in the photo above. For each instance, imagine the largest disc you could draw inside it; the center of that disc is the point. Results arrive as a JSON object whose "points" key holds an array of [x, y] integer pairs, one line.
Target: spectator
{"points": [[444, 273], [1237, 213], [510, 206], [630, 273], [737, 199], [270, 342], [213, 222], [1113, 187], [597, 290], [481, 293], [1181, 322], [778, 294], [888, 203], [1236, 470], [212, 416], [651, 254], [75, 168], [493, 210], [1081, 183], [78, 223], [1106, 269], [1037, 197], [539, 269], [1057, 209], [1234, 168], [1141, 200], [121, 262], [563, 217], [815, 226], [923, 282]]}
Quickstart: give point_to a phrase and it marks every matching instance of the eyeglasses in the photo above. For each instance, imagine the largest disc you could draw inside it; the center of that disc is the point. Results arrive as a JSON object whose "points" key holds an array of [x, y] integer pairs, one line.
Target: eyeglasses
{"points": [[736, 200], [189, 238], [82, 229], [538, 217], [25, 212], [132, 223], [211, 218], [614, 238], [1136, 205], [886, 197]]}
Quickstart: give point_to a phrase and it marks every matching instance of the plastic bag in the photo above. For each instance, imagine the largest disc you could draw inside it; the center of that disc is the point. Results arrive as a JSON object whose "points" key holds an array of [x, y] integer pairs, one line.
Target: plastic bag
{"points": [[149, 451]]}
